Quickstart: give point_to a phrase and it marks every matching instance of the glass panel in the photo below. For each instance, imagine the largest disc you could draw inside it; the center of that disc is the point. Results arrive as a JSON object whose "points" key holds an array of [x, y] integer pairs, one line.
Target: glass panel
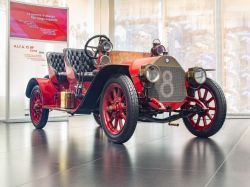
{"points": [[136, 24], [236, 55], [190, 32]]}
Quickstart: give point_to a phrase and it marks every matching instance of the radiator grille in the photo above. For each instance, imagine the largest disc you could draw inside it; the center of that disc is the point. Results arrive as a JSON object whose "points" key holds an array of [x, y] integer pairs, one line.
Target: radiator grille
{"points": [[171, 85]]}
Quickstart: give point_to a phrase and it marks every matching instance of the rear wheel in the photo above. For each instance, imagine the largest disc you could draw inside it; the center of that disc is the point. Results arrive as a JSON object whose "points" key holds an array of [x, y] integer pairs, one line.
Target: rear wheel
{"points": [[119, 109], [209, 121], [39, 115]]}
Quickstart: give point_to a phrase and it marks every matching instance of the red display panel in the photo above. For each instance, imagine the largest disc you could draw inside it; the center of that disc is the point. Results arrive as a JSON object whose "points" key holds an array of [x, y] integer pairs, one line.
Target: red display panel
{"points": [[38, 22]]}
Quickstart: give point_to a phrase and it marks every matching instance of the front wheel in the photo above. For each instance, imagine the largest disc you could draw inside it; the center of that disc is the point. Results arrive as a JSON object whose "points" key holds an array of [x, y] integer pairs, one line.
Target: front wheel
{"points": [[39, 115], [119, 108], [97, 118], [209, 121]]}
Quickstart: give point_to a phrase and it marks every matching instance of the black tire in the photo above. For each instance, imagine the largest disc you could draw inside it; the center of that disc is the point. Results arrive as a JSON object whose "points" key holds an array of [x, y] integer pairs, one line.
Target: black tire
{"points": [[219, 115], [40, 116], [130, 113], [97, 118]]}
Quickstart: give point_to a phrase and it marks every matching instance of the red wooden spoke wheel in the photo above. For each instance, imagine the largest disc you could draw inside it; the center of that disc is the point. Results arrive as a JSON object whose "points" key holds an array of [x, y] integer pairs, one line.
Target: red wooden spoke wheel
{"points": [[39, 116], [211, 117], [204, 119], [114, 108], [36, 106], [119, 108]]}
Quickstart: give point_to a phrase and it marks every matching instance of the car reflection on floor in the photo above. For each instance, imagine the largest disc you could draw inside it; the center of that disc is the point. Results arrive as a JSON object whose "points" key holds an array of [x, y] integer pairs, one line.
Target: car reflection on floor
{"points": [[77, 153]]}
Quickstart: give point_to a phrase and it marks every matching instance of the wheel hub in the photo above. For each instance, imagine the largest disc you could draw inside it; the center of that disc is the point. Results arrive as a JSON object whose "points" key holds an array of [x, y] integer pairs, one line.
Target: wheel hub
{"points": [[117, 106], [37, 106]]}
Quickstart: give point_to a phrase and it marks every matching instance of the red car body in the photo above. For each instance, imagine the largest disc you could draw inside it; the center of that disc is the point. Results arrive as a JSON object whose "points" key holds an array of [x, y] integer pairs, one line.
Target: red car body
{"points": [[87, 80]]}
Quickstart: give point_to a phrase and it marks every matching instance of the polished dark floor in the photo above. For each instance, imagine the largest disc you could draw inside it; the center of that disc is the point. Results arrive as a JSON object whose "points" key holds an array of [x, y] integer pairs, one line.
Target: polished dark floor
{"points": [[77, 153]]}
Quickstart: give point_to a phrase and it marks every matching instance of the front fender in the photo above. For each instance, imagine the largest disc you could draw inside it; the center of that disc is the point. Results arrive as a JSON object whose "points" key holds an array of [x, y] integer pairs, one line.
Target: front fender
{"points": [[47, 88], [91, 99]]}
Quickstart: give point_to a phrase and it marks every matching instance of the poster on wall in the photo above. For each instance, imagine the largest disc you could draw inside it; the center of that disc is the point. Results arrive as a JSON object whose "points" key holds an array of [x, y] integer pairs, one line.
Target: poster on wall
{"points": [[37, 22], [34, 31], [28, 51]]}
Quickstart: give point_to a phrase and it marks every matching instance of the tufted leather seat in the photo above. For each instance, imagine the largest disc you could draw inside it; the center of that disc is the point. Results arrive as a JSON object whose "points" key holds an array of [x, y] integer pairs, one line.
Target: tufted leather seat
{"points": [[56, 61], [84, 67]]}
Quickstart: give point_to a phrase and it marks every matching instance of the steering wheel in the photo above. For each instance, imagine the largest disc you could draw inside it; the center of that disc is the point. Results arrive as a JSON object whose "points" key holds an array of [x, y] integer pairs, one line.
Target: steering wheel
{"points": [[104, 45]]}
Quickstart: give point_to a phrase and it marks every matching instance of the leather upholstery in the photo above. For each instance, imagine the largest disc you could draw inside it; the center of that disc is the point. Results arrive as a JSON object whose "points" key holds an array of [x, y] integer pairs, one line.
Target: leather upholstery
{"points": [[56, 61], [82, 65]]}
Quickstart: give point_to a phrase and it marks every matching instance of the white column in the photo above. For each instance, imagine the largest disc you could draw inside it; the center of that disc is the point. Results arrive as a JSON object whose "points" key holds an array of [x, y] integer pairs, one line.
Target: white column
{"points": [[218, 39], [104, 17]]}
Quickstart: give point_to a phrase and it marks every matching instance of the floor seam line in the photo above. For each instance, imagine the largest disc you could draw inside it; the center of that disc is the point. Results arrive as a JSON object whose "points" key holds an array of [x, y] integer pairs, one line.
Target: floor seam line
{"points": [[157, 169], [226, 158]]}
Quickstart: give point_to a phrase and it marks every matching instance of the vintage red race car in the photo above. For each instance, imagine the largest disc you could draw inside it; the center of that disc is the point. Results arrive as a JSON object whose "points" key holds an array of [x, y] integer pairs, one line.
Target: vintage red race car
{"points": [[121, 88]]}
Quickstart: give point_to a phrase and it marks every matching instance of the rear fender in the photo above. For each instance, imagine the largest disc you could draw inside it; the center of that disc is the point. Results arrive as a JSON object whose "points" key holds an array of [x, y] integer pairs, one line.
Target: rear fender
{"points": [[47, 88], [91, 100]]}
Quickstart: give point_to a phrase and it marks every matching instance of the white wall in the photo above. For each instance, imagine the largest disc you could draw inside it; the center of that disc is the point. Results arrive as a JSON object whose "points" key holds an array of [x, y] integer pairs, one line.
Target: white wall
{"points": [[81, 27], [3, 47]]}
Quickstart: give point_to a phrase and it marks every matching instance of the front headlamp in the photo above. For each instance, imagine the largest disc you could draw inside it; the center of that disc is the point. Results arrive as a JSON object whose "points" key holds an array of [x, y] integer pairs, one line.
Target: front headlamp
{"points": [[196, 75], [107, 46], [150, 73]]}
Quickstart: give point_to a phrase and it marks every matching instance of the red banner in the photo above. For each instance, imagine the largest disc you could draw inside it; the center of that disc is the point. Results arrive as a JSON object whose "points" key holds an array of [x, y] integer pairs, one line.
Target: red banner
{"points": [[38, 22]]}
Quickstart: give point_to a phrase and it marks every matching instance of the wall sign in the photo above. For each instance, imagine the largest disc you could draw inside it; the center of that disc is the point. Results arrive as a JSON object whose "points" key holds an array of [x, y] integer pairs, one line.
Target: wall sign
{"points": [[34, 31]]}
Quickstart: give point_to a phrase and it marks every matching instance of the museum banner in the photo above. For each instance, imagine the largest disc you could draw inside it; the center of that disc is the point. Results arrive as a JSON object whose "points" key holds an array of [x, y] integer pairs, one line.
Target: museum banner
{"points": [[38, 22]]}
